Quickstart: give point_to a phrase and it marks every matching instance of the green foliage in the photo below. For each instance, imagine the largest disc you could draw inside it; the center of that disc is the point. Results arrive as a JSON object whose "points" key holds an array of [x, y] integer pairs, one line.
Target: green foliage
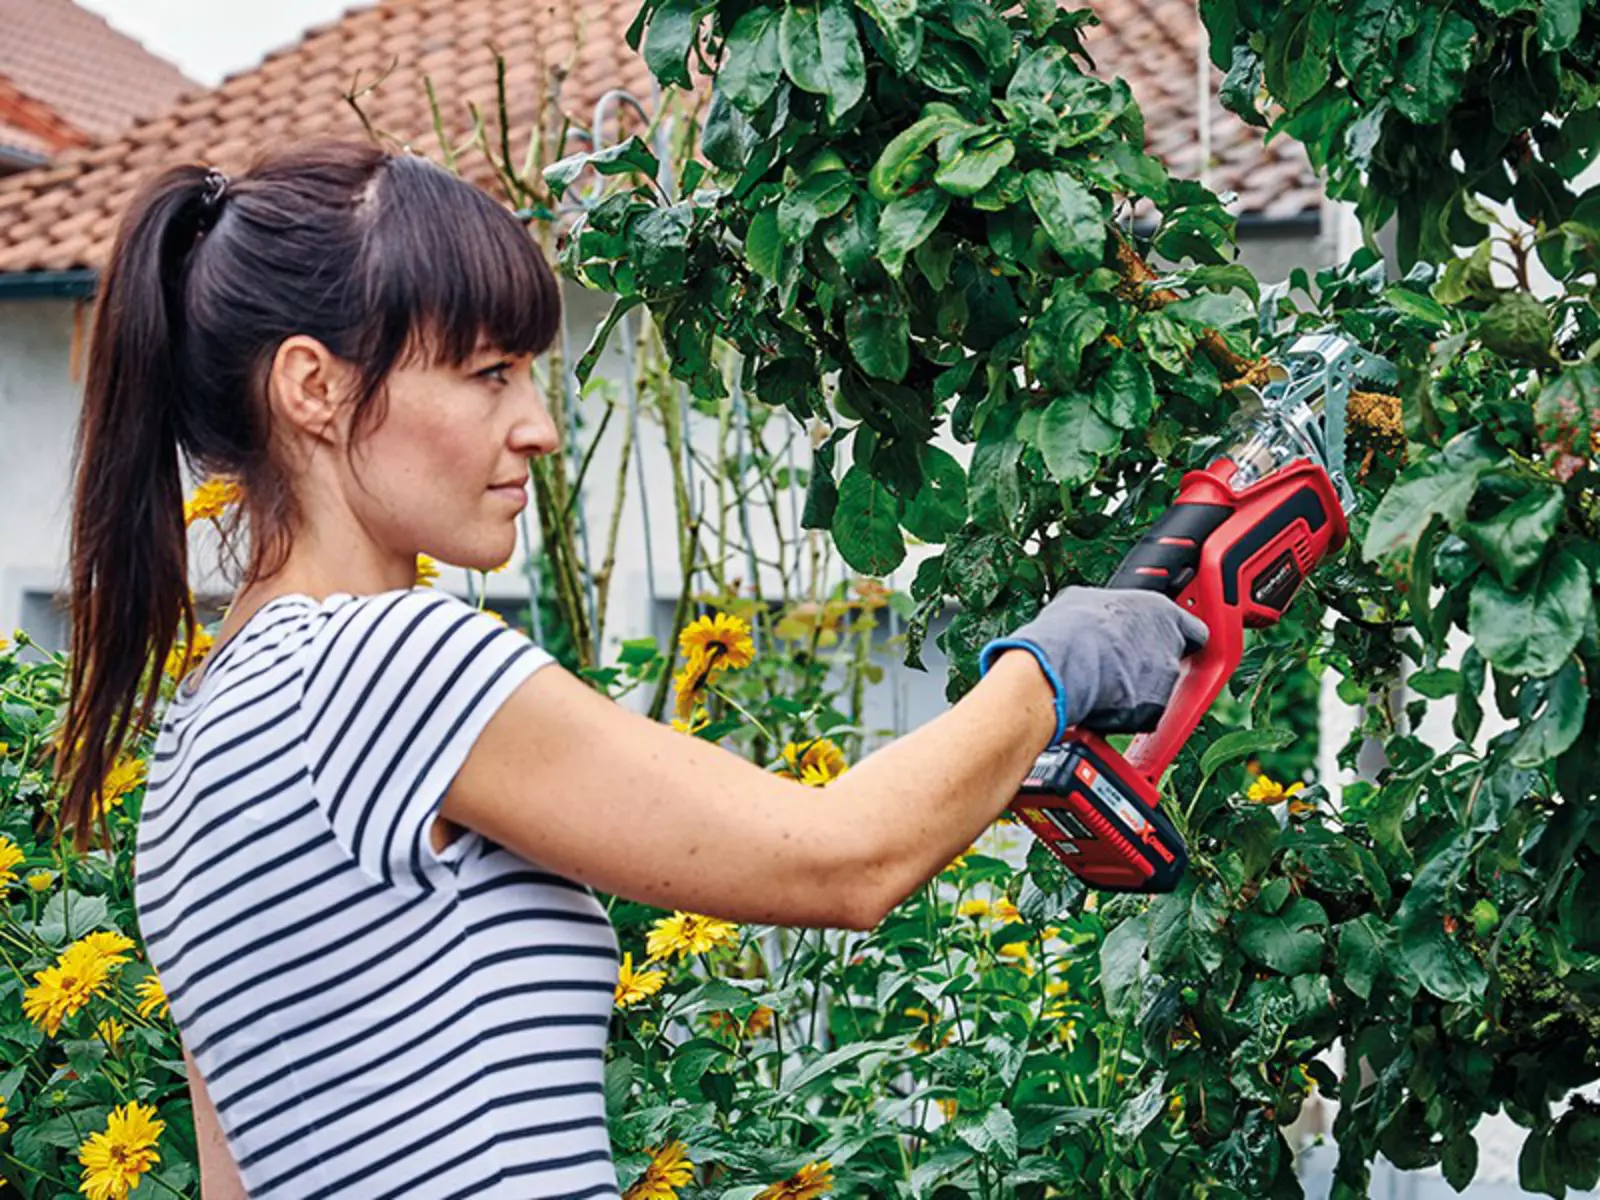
{"points": [[927, 234]]}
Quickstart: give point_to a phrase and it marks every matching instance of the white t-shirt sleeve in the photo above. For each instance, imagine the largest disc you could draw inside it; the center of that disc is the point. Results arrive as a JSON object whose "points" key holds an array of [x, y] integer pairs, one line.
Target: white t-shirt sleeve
{"points": [[398, 686]]}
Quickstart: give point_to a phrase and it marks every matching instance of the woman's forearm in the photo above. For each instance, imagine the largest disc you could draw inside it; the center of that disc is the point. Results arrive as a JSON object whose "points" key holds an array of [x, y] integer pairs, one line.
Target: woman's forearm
{"points": [[922, 799]]}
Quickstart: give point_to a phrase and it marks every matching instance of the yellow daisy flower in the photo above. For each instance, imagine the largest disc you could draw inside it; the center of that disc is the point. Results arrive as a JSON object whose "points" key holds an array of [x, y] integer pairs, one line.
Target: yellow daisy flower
{"points": [[685, 933], [10, 856], [1266, 790], [668, 1171], [976, 907], [820, 756], [127, 774], [634, 986], [210, 500], [4, 1127], [152, 996], [721, 641], [427, 571], [692, 724], [688, 684], [111, 1031], [117, 1159], [180, 658], [811, 1180], [61, 990], [40, 881], [947, 1106], [960, 860]]}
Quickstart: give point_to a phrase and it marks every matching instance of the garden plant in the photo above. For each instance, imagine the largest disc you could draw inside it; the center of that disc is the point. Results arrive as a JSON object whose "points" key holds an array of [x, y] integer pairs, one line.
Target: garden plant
{"points": [[896, 219]]}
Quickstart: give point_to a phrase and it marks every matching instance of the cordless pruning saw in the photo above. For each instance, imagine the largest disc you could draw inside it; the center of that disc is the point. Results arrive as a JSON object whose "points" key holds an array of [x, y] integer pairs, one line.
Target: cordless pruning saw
{"points": [[1233, 549]]}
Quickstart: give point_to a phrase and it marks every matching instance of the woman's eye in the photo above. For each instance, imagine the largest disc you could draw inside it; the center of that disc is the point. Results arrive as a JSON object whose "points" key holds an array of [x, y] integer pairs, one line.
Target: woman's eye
{"points": [[496, 373]]}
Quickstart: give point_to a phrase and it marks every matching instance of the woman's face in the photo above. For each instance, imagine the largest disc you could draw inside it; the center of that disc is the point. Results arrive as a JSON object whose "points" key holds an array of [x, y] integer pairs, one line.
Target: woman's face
{"points": [[445, 472]]}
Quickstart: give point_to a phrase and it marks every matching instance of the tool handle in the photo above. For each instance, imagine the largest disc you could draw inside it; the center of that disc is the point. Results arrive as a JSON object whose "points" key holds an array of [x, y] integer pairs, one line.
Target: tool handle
{"points": [[1168, 555]]}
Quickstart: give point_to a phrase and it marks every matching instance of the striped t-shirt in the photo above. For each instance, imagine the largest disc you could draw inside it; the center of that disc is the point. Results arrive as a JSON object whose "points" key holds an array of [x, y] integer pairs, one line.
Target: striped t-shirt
{"points": [[371, 1019]]}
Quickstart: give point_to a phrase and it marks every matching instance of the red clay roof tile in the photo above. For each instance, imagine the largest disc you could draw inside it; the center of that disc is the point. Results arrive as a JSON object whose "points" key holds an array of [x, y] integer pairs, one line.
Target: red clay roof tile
{"points": [[579, 44]]}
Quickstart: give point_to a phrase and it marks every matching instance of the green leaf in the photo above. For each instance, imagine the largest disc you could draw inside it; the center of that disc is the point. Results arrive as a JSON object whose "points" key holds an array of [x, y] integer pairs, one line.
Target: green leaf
{"points": [[1124, 394], [1365, 946], [1430, 76], [1072, 437], [597, 344], [1568, 410], [901, 27], [897, 166], [820, 196], [752, 65], [1539, 1167], [763, 244], [1513, 540], [1440, 486], [992, 1134], [1289, 942], [1071, 215], [1437, 957], [658, 245], [820, 47], [1242, 743], [1417, 304], [864, 525], [973, 163], [1548, 735], [1240, 90], [1297, 61], [1187, 928], [1121, 954], [939, 508], [1517, 326], [69, 915], [1558, 23], [1070, 324], [879, 337], [1532, 632], [666, 46], [906, 222], [1367, 37]]}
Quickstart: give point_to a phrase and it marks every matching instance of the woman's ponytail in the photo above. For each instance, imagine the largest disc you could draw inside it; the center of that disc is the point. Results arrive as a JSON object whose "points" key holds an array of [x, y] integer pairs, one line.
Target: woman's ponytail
{"points": [[129, 554]]}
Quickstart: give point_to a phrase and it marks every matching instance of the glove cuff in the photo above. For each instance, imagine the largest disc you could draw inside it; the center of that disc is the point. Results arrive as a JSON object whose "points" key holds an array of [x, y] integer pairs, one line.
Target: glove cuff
{"points": [[993, 650]]}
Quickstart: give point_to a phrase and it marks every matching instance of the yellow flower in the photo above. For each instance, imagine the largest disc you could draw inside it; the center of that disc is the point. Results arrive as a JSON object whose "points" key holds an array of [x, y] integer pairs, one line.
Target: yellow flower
{"points": [[427, 571], [685, 933], [126, 775], [10, 855], [1019, 952], [40, 881], [721, 641], [210, 500], [180, 658], [634, 986], [1006, 911], [79, 973], [819, 757], [694, 723], [111, 1031], [976, 907], [813, 1179], [960, 860], [4, 1128], [947, 1105], [152, 996], [668, 1171], [688, 683], [115, 1160], [1266, 790]]}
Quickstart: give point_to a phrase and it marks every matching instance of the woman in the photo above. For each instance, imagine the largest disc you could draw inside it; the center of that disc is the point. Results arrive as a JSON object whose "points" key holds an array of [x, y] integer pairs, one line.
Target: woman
{"points": [[375, 815]]}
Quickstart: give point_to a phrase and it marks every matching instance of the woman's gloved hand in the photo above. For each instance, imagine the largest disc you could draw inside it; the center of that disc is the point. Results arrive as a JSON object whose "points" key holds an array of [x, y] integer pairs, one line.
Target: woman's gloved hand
{"points": [[1111, 654]]}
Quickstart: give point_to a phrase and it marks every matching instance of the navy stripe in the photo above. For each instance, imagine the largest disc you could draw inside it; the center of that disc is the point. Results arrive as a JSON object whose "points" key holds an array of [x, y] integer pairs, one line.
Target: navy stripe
{"points": [[511, 878]]}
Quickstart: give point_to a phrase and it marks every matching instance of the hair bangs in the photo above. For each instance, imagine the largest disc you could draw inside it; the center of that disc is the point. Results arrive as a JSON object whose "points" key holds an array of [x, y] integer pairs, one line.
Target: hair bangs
{"points": [[455, 271]]}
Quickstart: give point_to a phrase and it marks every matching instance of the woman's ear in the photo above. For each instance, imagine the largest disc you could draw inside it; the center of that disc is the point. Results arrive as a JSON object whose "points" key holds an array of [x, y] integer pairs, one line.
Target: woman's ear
{"points": [[308, 384]]}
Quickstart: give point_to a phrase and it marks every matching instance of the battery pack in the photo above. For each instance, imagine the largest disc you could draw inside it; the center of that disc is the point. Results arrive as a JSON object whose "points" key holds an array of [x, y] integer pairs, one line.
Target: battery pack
{"points": [[1101, 817]]}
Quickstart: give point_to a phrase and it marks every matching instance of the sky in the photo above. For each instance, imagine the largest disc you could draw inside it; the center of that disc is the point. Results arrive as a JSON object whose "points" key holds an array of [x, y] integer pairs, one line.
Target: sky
{"points": [[209, 40]]}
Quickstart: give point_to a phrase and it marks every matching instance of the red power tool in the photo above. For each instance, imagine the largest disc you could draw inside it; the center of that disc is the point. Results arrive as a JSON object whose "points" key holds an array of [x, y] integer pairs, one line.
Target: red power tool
{"points": [[1233, 549]]}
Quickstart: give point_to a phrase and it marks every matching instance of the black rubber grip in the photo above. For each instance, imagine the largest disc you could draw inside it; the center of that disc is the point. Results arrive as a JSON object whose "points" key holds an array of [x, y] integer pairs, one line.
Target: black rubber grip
{"points": [[1167, 557]]}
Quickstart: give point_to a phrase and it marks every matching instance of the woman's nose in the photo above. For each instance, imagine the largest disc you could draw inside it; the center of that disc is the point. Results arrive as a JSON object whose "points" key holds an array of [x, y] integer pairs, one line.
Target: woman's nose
{"points": [[536, 433]]}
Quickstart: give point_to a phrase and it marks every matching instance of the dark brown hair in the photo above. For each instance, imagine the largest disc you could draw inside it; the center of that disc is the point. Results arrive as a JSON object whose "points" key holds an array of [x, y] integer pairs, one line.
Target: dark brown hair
{"points": [[382, 257]]}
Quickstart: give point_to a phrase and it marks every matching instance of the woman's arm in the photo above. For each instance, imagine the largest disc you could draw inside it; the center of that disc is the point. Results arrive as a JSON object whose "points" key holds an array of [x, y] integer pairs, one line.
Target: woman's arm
{"points": [[219, 1176], [585, 787]]}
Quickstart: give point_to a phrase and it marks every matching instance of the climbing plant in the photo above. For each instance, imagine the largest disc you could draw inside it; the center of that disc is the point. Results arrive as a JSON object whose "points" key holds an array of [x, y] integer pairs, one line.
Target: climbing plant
{"points": [[911, 218]]}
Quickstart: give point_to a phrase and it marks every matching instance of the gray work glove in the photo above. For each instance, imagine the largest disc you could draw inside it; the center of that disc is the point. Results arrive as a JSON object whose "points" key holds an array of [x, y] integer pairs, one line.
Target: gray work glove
{"points": [[1111, 654]]}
